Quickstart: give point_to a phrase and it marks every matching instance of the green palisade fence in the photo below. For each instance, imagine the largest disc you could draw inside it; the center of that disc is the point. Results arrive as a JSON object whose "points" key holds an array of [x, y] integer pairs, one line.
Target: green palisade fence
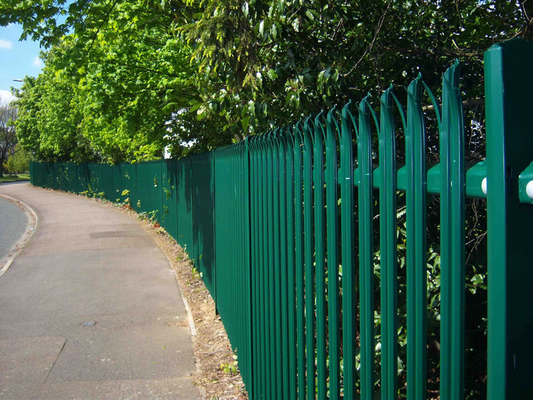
{"points": [[298, 235]]}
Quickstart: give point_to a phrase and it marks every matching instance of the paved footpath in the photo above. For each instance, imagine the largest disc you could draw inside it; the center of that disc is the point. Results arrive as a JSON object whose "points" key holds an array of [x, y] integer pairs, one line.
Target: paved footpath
{"points": [[91, 309]]}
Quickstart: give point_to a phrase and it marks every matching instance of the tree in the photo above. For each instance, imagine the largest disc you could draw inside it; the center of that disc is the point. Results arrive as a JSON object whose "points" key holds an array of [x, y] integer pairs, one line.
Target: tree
{"points": [[124, 87], [48, 122], [19, 161], [240, 67], [271, 62], [8, 137]]}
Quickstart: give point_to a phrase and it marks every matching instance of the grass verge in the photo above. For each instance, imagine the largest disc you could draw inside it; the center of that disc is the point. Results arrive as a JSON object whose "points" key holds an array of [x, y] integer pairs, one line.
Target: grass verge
{"points": [[15, 178]]}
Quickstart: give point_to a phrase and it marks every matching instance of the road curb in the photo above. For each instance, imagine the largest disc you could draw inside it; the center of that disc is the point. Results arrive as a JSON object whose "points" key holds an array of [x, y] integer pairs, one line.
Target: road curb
{"points": [[190, 318], [31, 226], [192, 326]]}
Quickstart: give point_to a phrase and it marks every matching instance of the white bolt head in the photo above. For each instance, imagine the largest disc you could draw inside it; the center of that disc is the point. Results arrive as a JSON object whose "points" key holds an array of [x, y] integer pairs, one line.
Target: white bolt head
{"points": [[484, 185], [529, 189]]}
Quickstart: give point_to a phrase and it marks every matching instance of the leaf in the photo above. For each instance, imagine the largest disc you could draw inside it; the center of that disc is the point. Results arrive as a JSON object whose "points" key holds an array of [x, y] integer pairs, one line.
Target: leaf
{"points": [[272, 74]]}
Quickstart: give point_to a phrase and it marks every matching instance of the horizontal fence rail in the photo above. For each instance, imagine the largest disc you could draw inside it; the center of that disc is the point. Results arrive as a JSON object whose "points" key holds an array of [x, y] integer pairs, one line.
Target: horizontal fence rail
{"points": [[316, 241]]}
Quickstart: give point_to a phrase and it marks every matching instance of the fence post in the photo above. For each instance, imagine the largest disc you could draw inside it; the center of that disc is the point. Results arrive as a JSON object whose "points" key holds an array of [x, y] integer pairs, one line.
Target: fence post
{"points": [[508, 88]]}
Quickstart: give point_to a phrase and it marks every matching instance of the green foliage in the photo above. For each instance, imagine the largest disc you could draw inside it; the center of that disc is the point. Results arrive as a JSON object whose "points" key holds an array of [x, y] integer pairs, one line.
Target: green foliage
{"points": [[19, 161], [91, 193], [48, 122], [195, 273], [230, 367], [15, 178], [118, 90], [148, 216], [268, 63], [129, 79], [8, 137], [126, 202]]}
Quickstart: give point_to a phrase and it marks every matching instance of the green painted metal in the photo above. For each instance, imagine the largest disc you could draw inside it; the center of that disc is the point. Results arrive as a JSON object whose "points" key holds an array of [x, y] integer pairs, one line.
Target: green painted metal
{"points": [[497, 220], [525, 177], [233, 276], [388, 246], [106, 183], [283, 260], [276, 268], [264, 369], [452, 250], [265, 272], [155, 192], [265, 345], [299, 260], [320, 255], [184, 208], [270, 377], [140, 205], [248, 331], [346, 179], [366, 265], [291, 268], [255, 265], [273, 226], [202, 206], [475, 177], [271, 271], [475, 180], [332, 197], [508, 86], [168, 185], [308, 260], [416, 243]]}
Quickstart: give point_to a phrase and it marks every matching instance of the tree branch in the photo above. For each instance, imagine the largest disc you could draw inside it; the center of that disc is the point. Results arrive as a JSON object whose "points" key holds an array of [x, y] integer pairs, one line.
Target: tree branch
{"points": [[376, 33], [442, 52], [106, 18]]}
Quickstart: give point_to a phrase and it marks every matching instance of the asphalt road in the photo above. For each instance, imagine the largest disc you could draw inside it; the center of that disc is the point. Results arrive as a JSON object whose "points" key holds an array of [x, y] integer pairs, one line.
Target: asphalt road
{"points": [[90, 309], [12, 225]]}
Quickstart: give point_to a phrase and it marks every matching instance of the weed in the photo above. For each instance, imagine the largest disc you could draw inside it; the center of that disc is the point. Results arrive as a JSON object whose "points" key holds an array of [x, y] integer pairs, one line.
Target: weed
{"points": [[126, 201], [229, 368], [195, 273], [152, 216]]}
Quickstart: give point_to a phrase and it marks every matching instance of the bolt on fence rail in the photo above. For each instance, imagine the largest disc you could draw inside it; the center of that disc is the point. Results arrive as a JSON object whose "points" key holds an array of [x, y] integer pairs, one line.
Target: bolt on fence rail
{"points": [[300, 237]]}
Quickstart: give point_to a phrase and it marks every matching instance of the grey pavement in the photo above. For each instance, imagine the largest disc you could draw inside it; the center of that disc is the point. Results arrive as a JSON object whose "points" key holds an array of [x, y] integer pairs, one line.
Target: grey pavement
{"points": [[12, 225], [91, 309]]}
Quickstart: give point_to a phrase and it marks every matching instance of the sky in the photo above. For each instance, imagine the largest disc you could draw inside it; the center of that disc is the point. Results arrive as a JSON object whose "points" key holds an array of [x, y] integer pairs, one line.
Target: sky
{"points": [[17, 59]]}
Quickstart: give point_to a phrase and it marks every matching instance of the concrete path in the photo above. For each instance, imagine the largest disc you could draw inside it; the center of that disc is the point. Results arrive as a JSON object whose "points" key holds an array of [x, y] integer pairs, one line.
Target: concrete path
{"points": [[91, 309]]}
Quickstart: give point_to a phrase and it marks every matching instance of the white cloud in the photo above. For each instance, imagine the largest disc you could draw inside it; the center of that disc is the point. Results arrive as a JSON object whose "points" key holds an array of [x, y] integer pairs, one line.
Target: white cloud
{"points": [[6, 97], [6, 44], [37, 62]]}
